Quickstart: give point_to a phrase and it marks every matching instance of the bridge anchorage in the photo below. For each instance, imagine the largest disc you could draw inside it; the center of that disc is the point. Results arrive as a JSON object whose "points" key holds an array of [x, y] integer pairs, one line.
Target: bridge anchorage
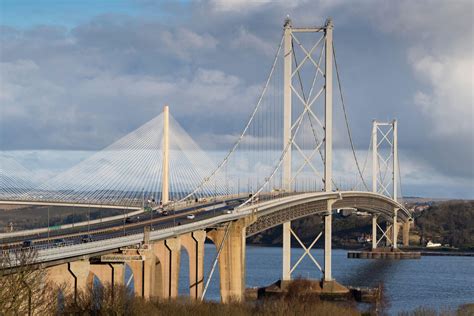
{"points": [[280, 169]]}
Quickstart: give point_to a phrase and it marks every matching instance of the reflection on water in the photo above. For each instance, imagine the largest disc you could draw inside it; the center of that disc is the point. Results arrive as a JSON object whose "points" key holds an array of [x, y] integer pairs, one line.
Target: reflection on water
{"points": [[436, 282], [370, 270]]}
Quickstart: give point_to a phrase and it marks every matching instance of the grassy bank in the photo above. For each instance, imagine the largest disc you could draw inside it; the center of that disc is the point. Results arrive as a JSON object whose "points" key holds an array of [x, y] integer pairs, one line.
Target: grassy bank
{"points": [[102, 301]]}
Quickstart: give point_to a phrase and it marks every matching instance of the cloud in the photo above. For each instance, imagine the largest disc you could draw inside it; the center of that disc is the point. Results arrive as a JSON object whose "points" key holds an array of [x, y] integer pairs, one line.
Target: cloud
{"points": [[441, 57], [184, 42], [237, 5], [438, 36], [246, 39], [449, 98], [83, 87]]}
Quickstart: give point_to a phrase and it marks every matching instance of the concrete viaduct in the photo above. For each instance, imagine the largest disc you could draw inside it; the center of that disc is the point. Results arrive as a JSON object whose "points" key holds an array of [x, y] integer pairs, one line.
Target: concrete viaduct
{"points": [[154, 256]]}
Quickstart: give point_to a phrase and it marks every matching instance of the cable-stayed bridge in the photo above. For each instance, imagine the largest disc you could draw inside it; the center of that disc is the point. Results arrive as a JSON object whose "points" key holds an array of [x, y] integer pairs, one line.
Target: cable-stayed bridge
{"points": [[280, 168]]}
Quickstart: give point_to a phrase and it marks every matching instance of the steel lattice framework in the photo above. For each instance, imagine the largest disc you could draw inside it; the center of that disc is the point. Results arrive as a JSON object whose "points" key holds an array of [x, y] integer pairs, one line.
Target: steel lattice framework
{"points": [[385, 169]]}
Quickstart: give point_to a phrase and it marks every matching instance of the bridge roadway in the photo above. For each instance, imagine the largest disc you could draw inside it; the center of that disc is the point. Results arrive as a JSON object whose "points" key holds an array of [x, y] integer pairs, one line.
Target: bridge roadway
{"points": [[118, 225], [97, 223], [71, 204], [269, 212]]}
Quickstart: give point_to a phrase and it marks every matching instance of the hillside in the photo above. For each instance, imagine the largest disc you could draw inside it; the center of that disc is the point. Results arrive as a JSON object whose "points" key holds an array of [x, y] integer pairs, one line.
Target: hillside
{"points": [[446, 222], [450, 222]]}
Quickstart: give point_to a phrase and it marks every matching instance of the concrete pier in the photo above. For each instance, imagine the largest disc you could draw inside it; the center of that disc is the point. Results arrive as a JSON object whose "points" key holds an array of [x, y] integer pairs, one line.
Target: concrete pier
{"points": [[137, 270], [168, 253], [72, 277], [231, 259], [383, 253], [194, 245]]}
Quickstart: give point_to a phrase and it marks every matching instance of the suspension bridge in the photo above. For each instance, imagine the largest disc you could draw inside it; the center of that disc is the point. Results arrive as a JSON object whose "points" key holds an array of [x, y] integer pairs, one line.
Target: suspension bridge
{"points": [[174, 195]]}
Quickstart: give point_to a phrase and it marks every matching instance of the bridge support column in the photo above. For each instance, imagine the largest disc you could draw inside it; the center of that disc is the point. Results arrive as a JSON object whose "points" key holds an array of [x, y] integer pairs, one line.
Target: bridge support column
{"points": [[232, 259], [143, 273], [166, 275], [60, 276], [406, 233], [118, 277], [109, 274], [73, 277], [137, 269], [80, 271], [395, 229], [118, 273], [328, 243], [286, 276], [329, 285], [374, 231], [149, 272], [104, 272], [194, 245]]}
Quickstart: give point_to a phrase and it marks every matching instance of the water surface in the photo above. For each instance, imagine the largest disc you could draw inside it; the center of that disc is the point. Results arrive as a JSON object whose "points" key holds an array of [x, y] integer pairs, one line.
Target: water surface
{"points": [[435, 282]]}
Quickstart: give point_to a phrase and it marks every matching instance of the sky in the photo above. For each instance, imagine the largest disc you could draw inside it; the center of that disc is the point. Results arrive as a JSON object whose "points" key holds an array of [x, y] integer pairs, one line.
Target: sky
{"points": [[77, 75]]}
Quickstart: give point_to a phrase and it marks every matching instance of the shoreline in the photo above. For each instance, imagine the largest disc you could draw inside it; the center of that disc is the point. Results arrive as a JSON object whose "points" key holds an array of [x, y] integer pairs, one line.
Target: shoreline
{"points": [[423, 251], [447, 253]]}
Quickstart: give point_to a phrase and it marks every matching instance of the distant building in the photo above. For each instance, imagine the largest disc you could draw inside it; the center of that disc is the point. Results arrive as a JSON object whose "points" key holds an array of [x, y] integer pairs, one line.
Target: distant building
{"points": [[420, 208], [431, 244]]}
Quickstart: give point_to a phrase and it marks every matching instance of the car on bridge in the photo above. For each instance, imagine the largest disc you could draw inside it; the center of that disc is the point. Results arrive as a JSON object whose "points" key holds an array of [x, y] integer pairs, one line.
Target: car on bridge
{"points": [[191, 216], [87, 238], [26, 244], [59, 242], [130, 220]]}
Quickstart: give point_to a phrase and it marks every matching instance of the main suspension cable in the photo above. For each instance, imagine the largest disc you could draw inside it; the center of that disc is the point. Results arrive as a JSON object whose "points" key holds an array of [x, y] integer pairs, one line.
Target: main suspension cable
{"points": [[346, 119], [364, 166]]}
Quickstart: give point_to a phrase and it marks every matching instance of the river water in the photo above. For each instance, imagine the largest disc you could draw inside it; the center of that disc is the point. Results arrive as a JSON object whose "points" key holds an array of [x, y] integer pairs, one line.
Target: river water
{"points": [[435, 282]]}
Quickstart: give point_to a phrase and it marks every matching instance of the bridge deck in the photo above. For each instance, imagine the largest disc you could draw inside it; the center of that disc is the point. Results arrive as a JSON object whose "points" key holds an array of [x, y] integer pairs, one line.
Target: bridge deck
{"points": [[269, 213]]}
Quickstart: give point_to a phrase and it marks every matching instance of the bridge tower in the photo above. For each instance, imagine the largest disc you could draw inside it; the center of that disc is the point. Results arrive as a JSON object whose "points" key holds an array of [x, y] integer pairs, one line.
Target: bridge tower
{"points": [[165, 167], [380, 183], [289, 134], [286, 181], [385, 180]]}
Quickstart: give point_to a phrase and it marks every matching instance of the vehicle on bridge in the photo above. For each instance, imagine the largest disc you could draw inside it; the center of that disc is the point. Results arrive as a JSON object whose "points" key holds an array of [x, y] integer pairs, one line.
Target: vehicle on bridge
{"points": [[60, 242], [27, 244], [130, 220], [87, 238]]}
